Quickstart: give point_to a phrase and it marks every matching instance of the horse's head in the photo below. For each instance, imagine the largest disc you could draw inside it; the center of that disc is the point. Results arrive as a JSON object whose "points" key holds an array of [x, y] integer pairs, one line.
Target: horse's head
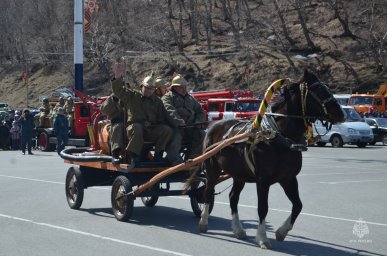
{"points": [[319, 101]]}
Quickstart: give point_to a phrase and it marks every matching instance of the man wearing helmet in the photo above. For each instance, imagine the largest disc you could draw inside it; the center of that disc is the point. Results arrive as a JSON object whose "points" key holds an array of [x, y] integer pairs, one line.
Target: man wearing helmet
{"points": [[54, 111], [44, 111], [161, 87], [69, 111], [113, 110], [146, 116], [186, 113]]}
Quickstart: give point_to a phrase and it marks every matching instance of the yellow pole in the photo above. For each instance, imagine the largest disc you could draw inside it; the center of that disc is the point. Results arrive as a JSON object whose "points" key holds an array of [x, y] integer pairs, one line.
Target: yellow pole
{"points": [[266, 100]]}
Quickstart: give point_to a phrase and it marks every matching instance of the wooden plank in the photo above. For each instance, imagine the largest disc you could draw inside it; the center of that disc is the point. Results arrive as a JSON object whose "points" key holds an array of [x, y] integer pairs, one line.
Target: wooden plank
{"points": [[117, 168]]}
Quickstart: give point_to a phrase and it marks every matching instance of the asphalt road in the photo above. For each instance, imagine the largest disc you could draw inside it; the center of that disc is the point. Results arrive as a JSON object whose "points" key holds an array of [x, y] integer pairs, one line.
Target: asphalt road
{"points": [[342, 190]]}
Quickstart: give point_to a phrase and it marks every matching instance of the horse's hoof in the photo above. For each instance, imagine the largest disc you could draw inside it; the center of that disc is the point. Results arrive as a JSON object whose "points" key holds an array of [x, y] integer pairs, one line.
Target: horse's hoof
{"points": [[279, 236], [241, 235], [203, 228], [264, 244]]}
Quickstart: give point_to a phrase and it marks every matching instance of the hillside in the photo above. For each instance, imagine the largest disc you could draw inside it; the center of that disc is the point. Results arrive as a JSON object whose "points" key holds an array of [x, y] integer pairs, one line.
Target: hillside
{"points": [[210, 42]]}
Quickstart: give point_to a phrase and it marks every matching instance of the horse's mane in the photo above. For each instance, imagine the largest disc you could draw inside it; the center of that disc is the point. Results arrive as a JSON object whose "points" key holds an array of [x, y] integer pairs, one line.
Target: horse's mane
{"points": [[282, 96]]}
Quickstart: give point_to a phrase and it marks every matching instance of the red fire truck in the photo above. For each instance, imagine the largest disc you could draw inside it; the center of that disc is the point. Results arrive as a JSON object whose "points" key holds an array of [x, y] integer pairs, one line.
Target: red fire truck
{"points": [[86, 116], [228, 104]]}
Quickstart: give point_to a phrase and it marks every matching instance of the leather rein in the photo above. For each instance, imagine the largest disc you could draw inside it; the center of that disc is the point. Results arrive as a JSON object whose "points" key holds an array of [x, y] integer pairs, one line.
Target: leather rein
{"points": [[305, 90]]}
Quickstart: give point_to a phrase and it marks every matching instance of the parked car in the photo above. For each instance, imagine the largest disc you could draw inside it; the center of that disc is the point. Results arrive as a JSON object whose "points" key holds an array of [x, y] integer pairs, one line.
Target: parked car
{"points": [[353, 131], [379, 128]]}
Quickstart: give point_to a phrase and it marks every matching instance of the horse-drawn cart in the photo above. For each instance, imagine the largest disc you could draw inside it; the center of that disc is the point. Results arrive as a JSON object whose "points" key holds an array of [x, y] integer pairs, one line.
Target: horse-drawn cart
{"points": [[128, 183], [123, 180]]}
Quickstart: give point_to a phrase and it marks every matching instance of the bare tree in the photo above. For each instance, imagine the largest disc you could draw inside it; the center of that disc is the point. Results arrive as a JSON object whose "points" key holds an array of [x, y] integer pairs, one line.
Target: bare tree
{"points": [[340, 13], [208, 23], [299, 5], [232, 14], [284, 27]]}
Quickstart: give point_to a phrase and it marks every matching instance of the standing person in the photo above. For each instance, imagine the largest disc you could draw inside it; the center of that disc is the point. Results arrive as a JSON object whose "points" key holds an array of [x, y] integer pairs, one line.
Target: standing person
{"points": [[27, 131], [61, 128], [161, 87], [5, 137], [15, 135], [146, 116], [112, 109], [186, 113]]}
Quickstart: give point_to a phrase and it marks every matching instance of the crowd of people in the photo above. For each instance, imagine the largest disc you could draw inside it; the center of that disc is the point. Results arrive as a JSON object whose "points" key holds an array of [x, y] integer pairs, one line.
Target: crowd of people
{"points": [[17, 131]]}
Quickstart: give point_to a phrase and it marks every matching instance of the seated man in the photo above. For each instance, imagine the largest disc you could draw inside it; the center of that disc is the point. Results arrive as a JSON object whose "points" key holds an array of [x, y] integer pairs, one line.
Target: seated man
{"points": [[112, 109], [54, 111], [44, 111], [69, 110], [146, 116], [161, 87], [187, 116]]}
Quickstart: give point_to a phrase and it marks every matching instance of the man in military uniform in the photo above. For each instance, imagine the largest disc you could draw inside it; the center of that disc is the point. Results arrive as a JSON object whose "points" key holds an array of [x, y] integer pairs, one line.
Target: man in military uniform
{"points": [[161, 87], [54, 111], [146, 116], [44, 111], [187, 114], [69, 111], [112, 109]]}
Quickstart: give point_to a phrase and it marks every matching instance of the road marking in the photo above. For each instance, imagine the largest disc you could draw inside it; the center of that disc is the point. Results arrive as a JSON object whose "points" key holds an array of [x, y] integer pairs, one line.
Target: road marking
{"points": [[29, 179], [302, 213], [349, 181], [340, 173], [217, 202], [94, 235]]}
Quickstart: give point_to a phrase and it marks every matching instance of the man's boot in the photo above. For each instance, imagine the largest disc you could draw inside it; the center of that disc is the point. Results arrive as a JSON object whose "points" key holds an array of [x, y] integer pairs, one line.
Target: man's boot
{"points": [[135, 158], [116, 156], [158, 157]]}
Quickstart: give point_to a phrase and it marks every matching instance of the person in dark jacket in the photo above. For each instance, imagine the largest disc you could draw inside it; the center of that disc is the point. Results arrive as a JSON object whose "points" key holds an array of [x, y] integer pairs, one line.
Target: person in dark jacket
{"points": [[4, 136], [61, 128], [27, 132]]}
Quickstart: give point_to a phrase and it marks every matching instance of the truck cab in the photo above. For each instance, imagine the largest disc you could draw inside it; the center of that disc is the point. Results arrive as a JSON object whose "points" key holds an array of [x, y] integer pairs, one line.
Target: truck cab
{"points": [[219, 109], [367, 103], [227, 104]]}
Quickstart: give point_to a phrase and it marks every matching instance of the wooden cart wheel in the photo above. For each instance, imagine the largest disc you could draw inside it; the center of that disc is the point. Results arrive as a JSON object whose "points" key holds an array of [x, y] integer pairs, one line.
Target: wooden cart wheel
{"points": [[122, 204], [44, 144], [74, 187], [197, 199], [149, 201]]}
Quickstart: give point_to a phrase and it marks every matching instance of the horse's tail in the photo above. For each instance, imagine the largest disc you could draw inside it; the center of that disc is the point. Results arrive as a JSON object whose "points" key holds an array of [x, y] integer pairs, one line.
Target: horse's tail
{"points": [[192, 178]]}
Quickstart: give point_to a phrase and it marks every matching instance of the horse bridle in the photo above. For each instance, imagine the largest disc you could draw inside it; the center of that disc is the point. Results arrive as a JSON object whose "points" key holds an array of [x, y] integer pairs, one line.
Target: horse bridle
{"points": [[305, 90]]}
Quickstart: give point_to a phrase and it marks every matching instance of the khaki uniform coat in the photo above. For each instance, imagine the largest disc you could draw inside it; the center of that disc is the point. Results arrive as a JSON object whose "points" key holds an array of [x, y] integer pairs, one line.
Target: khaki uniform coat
{"points": [[114, 112], [44, 112], [146, 118], [69, 111], [184, 110]]}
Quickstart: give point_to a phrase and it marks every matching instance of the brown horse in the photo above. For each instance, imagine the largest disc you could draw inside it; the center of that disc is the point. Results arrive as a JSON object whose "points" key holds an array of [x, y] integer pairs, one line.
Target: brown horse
{"points": [[266, 162]]}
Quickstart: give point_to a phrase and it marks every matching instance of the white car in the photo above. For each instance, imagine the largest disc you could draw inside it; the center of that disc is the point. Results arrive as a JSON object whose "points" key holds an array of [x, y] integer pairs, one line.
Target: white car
{"points": [[353, 131]]}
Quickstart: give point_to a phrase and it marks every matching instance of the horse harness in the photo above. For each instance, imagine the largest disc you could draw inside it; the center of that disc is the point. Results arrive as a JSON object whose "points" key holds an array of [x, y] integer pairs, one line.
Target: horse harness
{"points": [[269, 129]]}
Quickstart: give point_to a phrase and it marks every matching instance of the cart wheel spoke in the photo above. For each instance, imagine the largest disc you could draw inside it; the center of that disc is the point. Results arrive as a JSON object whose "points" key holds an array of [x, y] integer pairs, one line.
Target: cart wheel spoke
{"points": [[122, 204], [74, 188]]}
